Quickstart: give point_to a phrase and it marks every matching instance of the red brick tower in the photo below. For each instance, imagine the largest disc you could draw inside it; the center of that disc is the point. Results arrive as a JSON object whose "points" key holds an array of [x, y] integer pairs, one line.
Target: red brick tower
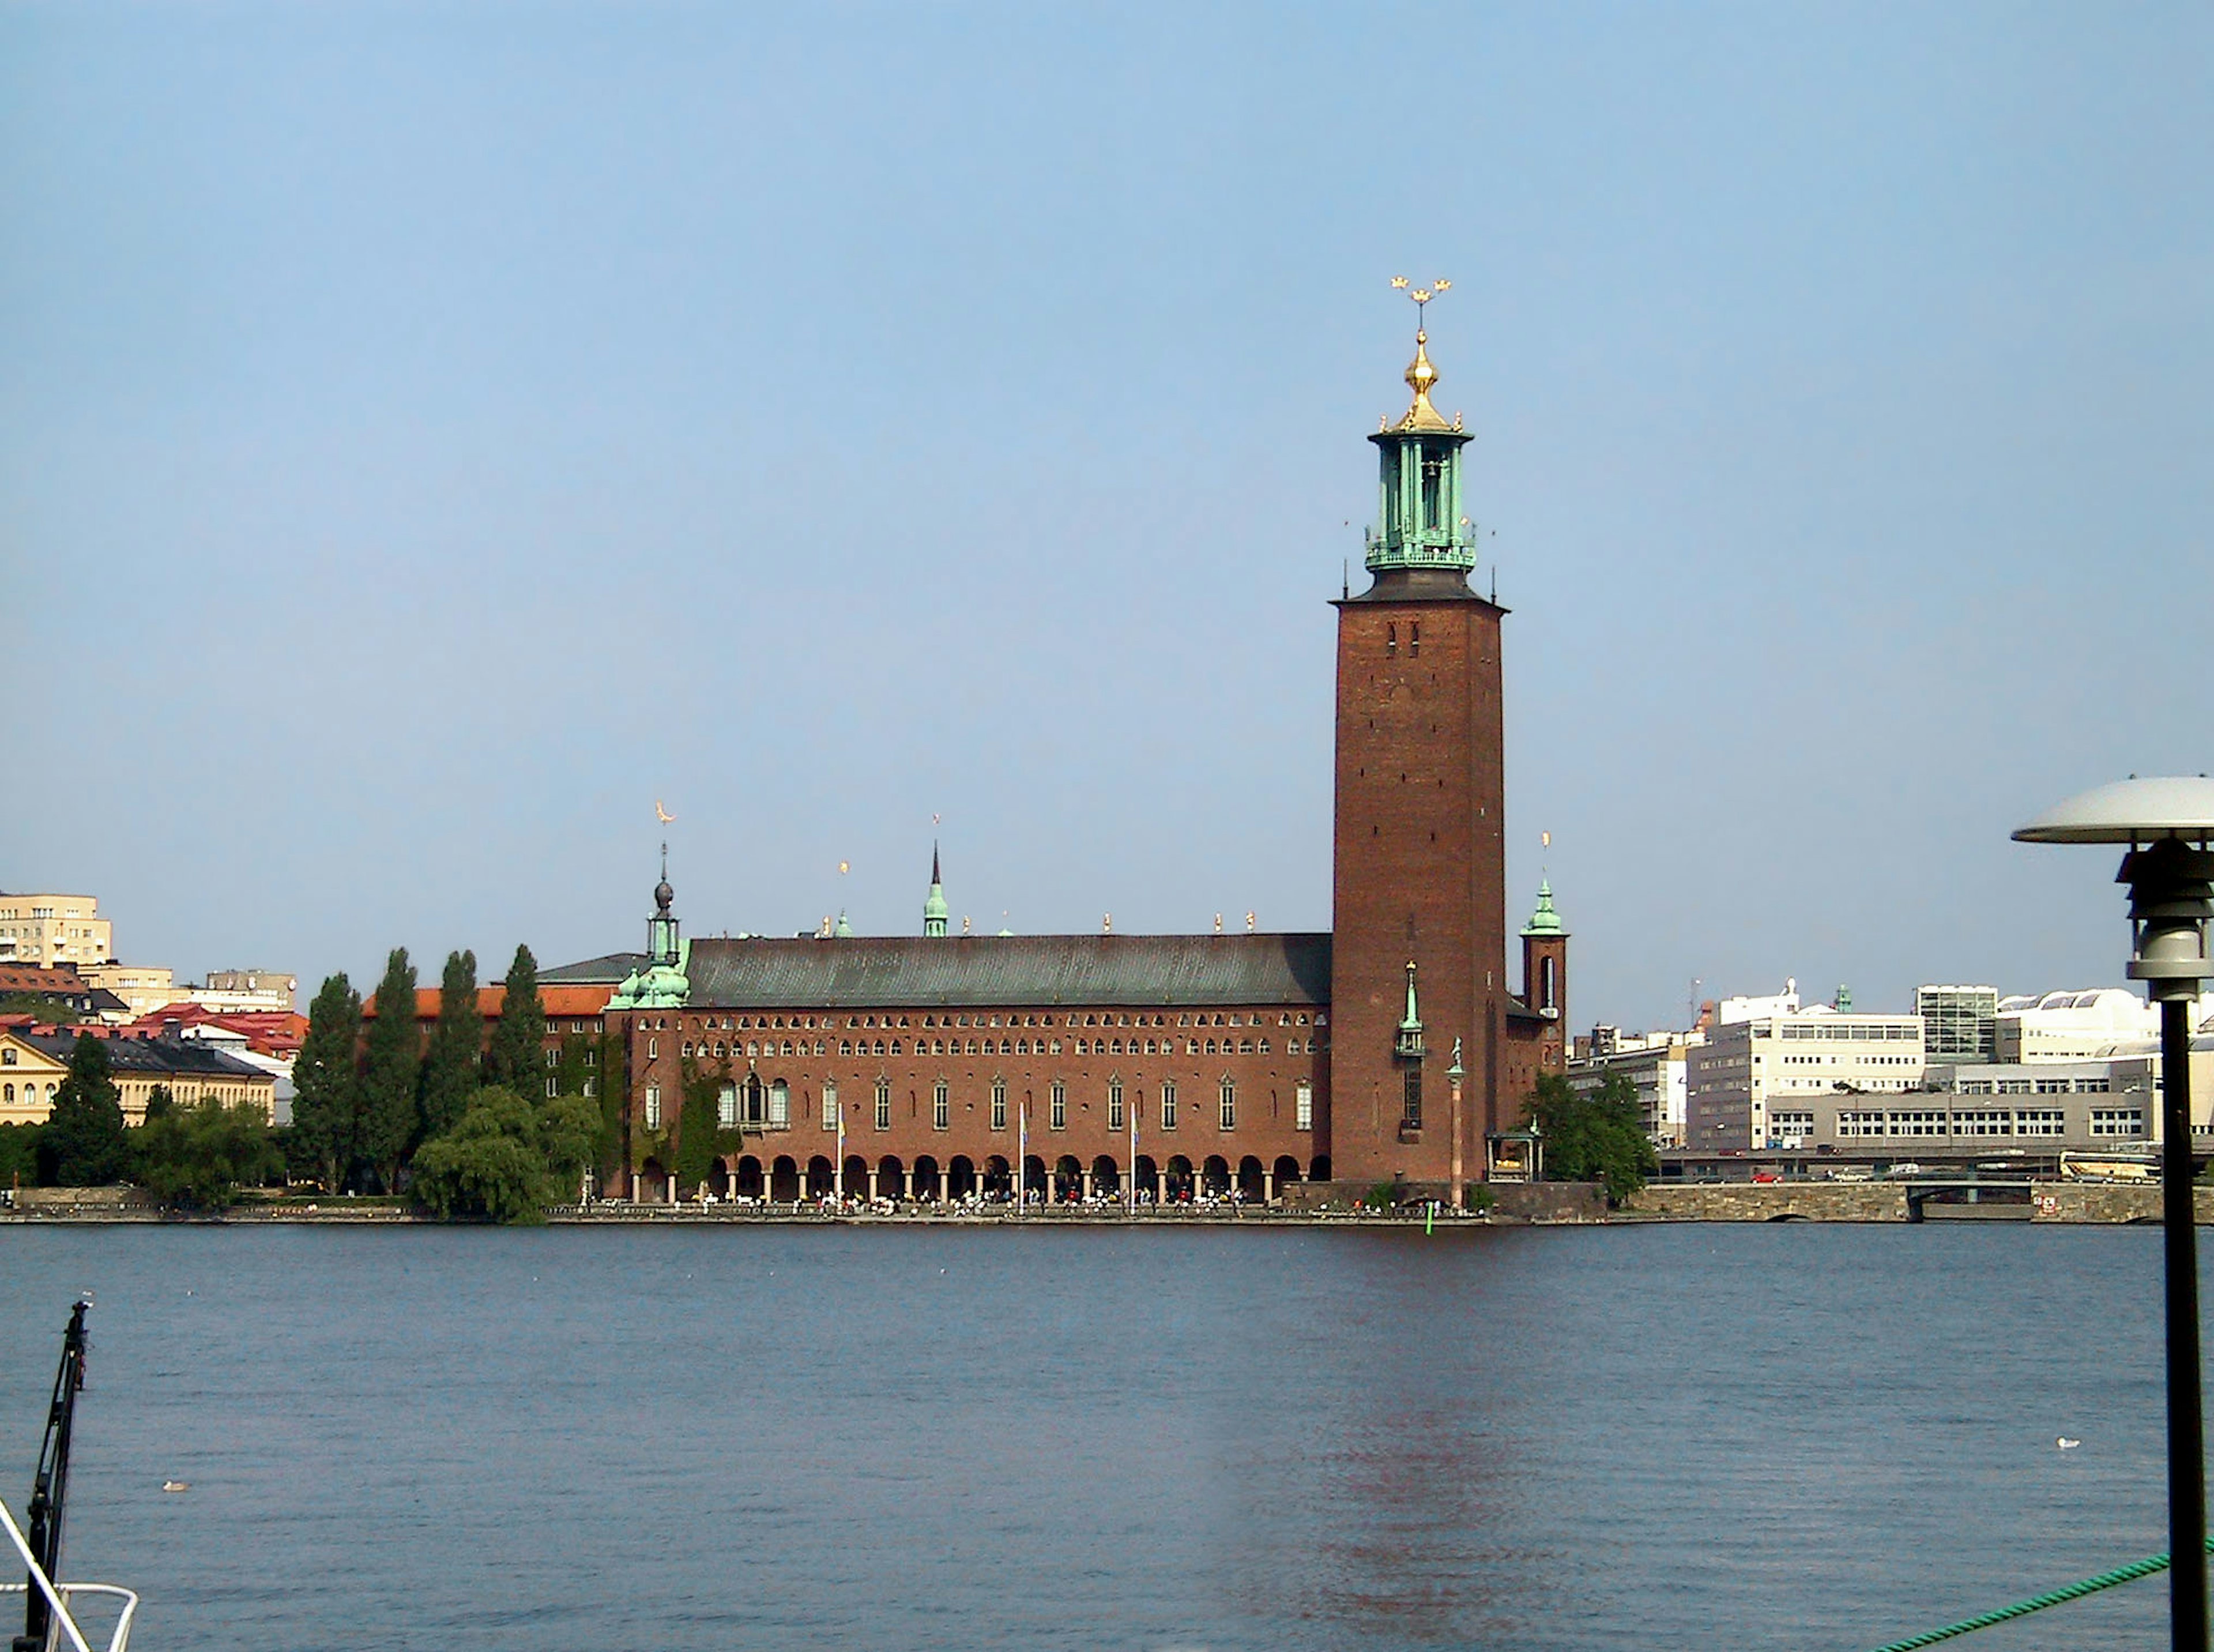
{"points": [[1420, 873]]}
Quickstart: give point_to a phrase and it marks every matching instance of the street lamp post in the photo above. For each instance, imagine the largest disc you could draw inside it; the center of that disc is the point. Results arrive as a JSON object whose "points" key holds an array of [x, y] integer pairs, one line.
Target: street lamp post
{"points": [[2169, 824]]}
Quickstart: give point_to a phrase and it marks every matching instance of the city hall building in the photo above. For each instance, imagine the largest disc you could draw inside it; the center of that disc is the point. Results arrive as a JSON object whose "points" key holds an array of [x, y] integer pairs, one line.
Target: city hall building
{"points": [[1390, 1050]]}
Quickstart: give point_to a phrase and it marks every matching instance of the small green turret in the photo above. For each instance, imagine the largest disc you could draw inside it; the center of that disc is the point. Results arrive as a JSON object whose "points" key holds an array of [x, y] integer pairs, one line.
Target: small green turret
{"points": [[1545, 920], [933, 908], [1409, 1041]]}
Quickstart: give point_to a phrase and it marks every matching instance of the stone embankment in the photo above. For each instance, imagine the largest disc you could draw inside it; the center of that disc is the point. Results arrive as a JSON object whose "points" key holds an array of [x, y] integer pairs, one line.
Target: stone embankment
{"points": [[2048, 1202]]}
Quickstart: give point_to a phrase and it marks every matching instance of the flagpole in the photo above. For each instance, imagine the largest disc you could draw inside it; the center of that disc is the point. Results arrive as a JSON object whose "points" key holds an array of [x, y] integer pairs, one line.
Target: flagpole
{"points": [[838, 1170], [1022, 1156]]}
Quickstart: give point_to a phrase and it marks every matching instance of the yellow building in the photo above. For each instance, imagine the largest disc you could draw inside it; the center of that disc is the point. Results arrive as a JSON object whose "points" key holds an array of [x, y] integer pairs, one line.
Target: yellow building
{"points": [[33, 1064], [49, 929], [144, 987]]}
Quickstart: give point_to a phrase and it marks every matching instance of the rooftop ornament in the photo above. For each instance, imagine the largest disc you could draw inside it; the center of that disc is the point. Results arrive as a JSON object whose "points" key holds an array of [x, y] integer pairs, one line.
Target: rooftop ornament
{"points": [[2169, 824]]}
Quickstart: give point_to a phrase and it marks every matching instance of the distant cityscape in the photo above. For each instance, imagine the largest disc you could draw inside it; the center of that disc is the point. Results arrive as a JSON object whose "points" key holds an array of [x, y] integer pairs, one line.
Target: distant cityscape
{"points": [[1968, 1073], [230, 1038]]}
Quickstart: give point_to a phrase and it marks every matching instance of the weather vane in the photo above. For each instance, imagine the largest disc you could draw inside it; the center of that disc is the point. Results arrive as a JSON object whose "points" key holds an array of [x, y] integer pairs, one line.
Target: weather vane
{"points": [[1421, 296]]}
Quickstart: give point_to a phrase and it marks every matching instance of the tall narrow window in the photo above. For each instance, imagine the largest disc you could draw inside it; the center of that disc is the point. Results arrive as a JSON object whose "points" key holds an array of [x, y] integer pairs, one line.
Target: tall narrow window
{"points": [[780, 1106], [1168, 1104], [1060, 1105], [830, 1103], [1414, 636], [1229, 1106], [1546, 969], [884, 1104], [726, 1107], [941, 1106], [1114, 1103], [999, 1104], [1391, 639], [1303, 1106], [1411, 1090], [652, 1106]]}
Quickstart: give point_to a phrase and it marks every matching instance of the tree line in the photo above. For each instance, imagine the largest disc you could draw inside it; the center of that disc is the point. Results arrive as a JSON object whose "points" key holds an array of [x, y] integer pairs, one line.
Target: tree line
{"points": [[462, 1124]]}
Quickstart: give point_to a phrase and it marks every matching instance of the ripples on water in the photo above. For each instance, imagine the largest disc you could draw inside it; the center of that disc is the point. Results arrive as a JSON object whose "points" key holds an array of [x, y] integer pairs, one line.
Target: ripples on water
{"points": [[1797, 1436]]}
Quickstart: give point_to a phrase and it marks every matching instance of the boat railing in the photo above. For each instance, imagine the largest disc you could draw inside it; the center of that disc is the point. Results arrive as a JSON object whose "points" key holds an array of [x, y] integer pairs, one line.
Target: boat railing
{"points": [[58, 1596]]}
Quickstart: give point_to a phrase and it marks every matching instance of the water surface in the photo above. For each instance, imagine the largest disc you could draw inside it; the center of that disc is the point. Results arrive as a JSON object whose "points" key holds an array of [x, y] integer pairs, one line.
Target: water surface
{"points": [[1789, 1436]]}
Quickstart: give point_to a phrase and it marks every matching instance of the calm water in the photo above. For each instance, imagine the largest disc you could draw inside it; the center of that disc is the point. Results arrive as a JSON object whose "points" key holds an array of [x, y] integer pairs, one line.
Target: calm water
{"points": [[1649, 1437]]}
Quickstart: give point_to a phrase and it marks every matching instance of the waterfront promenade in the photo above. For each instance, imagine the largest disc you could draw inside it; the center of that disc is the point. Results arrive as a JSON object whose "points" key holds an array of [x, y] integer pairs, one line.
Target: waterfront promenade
{"points": [[1542, 1204]]}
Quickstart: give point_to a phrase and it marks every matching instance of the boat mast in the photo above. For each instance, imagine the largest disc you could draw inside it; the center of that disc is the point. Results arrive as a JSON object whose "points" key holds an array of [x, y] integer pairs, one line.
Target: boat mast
{"points": [[50, 1491]]}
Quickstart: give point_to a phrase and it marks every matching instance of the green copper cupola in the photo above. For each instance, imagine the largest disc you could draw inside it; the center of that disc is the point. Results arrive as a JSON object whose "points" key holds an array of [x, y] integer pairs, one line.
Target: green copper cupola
{"points": [[934, 906], [1420, 520]]}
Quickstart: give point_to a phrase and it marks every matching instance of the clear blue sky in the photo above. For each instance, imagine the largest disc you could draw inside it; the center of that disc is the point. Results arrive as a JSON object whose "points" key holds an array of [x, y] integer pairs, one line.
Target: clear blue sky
{"points": [[429, 434]]}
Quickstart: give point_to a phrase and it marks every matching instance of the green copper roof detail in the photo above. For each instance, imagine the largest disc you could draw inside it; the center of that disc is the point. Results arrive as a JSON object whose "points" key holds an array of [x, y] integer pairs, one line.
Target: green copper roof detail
{"points": [[1545, 920], [1409, 1041], [1420, 521], [934, 913], [844, 931], [659, 986]]}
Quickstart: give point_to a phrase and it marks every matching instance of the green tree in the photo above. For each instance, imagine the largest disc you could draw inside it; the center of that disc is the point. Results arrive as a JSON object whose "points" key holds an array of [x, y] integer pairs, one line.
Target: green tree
{"points": [[569, 1133], [202, 1154], [390, 1059], [84, 1133], [326, 1090], [1593, 1138], [159, 1102], [490, 1164], [19, 1154], [450, 1069], [515, 1059]]}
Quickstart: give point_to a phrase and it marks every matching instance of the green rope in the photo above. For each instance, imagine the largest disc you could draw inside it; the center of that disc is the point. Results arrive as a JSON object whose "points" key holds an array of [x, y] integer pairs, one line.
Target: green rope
{"points": [[2128, 1574]]}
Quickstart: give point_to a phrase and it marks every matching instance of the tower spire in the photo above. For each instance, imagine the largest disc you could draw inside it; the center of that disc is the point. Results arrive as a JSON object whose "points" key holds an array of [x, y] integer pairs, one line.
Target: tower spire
{"points": [[934, 912], [1422, 526]]}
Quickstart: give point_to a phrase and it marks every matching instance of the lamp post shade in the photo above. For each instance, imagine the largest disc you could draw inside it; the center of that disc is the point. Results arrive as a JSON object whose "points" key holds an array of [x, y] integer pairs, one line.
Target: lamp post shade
{"points": [[2129, 811]]}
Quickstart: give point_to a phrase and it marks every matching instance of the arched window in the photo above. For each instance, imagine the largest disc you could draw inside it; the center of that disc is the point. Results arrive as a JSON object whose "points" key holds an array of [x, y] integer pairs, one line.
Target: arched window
{"points": [[1545, 969], [1168, 1105], [999, 1104], [884, 1104], [941, 1106], [1114, 1103], [1058, 1116], [1229, 1106]]}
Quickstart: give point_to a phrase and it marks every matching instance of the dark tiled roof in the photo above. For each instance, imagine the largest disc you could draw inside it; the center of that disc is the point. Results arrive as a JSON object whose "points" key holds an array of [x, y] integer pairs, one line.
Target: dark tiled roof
{"points": [[176, 1056], [593, 971], [985, 969]]}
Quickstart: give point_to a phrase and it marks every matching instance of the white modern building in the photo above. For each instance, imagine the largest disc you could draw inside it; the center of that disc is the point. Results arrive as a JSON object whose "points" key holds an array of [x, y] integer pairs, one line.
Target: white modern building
{"points": [[1767, 1081]]}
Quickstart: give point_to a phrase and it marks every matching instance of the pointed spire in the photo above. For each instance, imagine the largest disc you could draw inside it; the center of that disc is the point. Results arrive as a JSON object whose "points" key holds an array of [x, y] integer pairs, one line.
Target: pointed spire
{"points": [[934, 912], [1409, 1041]]}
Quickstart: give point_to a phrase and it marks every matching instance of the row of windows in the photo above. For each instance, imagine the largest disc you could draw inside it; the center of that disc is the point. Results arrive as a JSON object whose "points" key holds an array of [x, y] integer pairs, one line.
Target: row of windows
{"points": [[2032, 1122], [754, 1048], [1844, 1032], [769, 1105], [979, 1018], [2059, 1087]]}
